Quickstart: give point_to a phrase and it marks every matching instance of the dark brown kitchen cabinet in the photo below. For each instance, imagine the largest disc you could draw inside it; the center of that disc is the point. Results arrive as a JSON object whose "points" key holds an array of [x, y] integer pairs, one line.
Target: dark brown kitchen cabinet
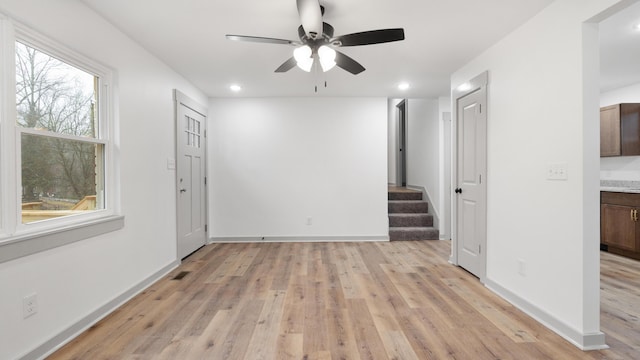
{"points": [[620, 130], [619, 225]]}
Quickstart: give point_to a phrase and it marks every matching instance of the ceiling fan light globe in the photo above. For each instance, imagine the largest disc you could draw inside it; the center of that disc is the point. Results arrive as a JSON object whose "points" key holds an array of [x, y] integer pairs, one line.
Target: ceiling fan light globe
{"points": [[327, 65], [327, 57], [305, 65], [326, 52], [303, 57]]}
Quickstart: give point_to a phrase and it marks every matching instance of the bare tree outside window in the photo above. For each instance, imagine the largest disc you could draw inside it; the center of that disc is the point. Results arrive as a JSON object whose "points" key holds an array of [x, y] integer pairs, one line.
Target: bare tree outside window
{"points": [[62, 173]]}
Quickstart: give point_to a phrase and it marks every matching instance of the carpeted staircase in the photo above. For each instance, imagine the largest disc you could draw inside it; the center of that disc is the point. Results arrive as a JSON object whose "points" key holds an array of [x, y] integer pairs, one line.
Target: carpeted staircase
{"points": [[409, 217]]}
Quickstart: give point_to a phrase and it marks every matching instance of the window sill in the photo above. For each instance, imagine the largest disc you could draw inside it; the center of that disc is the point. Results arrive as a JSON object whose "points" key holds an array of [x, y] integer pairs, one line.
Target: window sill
{"points": [[23, 245]]}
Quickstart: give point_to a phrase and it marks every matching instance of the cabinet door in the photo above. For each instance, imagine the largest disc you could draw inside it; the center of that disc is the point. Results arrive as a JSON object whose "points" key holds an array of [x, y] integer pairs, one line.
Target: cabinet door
{"points": [[610, 131], [618, 226], [630, 129]]}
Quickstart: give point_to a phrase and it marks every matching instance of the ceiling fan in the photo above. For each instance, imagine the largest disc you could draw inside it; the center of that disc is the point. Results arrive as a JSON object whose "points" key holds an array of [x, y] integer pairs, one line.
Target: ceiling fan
{"points": [[317, 41]]}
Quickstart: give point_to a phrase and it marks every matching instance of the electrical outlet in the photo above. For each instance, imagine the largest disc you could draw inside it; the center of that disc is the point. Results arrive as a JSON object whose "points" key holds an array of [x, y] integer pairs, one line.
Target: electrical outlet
{"points": [[29, 305], [522, 268], [557, 171]]}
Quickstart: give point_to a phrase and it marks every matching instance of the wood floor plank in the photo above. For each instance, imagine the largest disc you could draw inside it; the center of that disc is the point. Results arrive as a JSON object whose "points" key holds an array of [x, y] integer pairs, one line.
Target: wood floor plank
{"points": [[398, 300], [236, 341], [315, 328], [289, 347], [293, 313], [348, 283], [267, 329], [397, 345], [227, 268], [342, 344], [370, 345], [516, 331], [212, 336], [354, 261], [380, 304]]}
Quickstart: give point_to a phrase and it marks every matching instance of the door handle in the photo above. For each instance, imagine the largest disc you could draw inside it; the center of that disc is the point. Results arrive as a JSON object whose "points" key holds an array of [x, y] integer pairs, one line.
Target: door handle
{"points": [[183, 190], [458, 191]]}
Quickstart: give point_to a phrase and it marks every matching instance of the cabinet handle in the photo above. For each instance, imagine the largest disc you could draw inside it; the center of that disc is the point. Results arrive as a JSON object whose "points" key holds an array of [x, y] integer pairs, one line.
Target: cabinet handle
{"points": [[635, 215]]}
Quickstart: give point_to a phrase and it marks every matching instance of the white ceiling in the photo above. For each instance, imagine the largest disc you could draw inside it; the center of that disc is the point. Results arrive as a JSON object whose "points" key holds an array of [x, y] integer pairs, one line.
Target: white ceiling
{"points": [[441, 36]]}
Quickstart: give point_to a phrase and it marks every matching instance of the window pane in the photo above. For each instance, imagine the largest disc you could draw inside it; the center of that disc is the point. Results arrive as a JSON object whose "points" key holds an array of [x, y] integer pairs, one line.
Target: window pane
{"points": [[60, 177], [53, 95]]}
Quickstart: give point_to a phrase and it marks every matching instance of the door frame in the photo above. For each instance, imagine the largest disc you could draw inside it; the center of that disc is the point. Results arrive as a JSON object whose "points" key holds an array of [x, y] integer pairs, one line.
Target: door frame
{"points": [[478, 83], [401, 143], [181, 99]]}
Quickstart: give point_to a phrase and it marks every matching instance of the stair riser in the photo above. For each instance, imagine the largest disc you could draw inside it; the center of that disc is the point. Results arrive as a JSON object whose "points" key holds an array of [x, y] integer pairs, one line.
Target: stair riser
{"points": [[410, 220], [412, 207], [405, 196], [402, 235]]}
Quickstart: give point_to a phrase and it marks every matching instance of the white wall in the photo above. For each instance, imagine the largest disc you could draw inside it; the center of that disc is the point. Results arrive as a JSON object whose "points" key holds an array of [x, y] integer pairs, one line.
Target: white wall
{"points": [[392, 140], [620, 167], [540, 113], [444, 118], [75, 280], [423, 149], [275, 162]]}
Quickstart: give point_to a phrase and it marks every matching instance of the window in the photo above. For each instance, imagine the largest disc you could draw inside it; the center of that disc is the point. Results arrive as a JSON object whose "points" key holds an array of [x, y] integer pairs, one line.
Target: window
{"points": [[57, 145], [62, 153]]}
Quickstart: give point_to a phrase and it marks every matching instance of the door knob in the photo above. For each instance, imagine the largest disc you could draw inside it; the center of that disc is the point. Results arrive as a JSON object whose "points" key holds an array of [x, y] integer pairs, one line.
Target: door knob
{"points": [[183, 190], [458, 191]]}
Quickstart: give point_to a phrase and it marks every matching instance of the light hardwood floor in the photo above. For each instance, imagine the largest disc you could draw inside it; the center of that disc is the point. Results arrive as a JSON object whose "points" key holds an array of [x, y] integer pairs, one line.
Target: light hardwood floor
{"points": [[397, 300]]}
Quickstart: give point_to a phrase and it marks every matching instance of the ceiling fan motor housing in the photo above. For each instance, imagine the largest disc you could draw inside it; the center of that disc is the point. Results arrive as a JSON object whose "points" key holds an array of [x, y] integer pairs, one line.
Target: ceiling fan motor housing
{"points": [[327, 34]]}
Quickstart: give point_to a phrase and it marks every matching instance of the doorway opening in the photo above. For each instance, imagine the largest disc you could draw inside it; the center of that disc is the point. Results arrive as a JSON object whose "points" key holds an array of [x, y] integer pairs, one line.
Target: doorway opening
{"points": [[401, 174]]}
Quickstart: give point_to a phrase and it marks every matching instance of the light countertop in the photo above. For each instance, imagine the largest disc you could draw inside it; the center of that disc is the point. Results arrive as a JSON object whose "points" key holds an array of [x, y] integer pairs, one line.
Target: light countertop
{"points": [[625, 186]]}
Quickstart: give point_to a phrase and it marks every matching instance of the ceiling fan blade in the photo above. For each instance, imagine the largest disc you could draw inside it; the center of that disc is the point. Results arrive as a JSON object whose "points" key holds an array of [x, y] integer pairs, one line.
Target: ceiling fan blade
{"points": [[370, 37], [348, 63], [258, 39], [287, 65], [310, 17]]}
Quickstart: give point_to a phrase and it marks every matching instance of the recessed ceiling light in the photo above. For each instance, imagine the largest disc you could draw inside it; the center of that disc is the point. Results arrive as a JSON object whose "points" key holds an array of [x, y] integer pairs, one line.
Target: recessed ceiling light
{"points": [[235, 88], [636, 27], [404, 86]]}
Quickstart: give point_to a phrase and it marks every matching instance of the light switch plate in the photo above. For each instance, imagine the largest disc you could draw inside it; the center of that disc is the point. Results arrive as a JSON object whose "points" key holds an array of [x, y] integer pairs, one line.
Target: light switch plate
{"points": [[171, 164], [557, 171]]}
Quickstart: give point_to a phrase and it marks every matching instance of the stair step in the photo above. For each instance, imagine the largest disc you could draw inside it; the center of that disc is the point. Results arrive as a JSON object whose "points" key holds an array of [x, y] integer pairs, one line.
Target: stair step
{"points": [[408, 207], [413, 233], [404, 195], [410, 220]]}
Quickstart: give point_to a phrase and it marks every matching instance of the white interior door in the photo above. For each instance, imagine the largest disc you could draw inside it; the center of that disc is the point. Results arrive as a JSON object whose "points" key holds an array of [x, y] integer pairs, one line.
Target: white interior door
{"points": [[471, 182], [191, 197]]}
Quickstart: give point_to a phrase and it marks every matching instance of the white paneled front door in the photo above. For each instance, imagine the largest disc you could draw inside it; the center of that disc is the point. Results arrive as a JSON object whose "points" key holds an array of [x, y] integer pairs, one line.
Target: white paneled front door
{"points": [[191, 198]]}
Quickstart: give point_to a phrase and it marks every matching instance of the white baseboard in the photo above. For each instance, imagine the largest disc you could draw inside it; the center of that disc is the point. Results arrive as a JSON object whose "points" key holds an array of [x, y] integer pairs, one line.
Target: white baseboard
{"points": [[79, 327], [259, 239], [594, 341]]}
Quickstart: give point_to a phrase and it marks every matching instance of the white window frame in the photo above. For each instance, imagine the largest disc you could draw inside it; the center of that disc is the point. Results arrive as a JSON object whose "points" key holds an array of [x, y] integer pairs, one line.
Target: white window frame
{"points": [[17, 239]]}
